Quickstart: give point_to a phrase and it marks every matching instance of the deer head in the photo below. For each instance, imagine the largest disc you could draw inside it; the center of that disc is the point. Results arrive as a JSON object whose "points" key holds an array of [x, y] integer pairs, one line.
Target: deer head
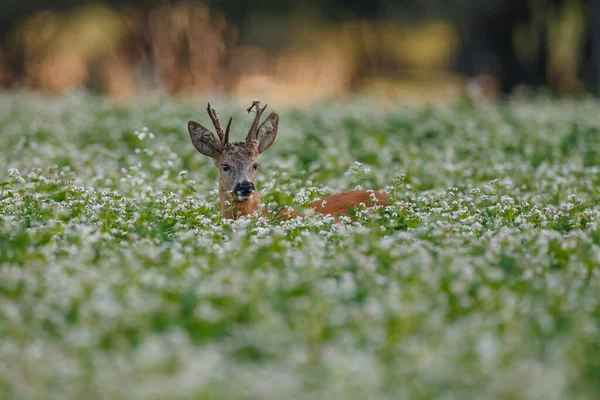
{"points": [[237, 162]]}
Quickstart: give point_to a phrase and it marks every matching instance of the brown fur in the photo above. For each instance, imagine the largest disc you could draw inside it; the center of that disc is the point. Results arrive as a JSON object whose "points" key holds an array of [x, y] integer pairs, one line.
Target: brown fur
{"points": [[233, 209], [337, 204]]}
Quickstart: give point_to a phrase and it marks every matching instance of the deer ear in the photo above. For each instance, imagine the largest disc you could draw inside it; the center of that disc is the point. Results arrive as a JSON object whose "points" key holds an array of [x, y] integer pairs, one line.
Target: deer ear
{"points": [[267, 132], [203, 140]]}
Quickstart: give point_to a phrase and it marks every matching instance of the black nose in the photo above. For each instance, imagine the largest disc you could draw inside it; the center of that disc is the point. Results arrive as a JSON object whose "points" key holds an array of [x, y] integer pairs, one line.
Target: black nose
{"points": [[244, 188]]}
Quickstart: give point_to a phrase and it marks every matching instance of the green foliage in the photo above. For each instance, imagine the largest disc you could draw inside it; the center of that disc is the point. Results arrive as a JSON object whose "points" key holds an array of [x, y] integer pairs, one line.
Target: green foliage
{"points": [[120, 279]]}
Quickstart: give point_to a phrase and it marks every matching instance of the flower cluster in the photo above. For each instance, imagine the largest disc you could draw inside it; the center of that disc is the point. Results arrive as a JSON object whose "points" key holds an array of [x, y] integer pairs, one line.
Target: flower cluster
{"points": [[119, 276]]}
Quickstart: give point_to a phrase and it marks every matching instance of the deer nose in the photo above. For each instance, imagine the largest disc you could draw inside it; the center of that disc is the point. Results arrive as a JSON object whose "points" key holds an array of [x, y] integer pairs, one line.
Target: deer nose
{"points": [[244, 188]]}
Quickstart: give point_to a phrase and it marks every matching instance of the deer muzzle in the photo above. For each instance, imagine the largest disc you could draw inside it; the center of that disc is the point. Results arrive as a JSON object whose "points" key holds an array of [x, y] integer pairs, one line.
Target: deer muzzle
{"points": [[243, 190]]}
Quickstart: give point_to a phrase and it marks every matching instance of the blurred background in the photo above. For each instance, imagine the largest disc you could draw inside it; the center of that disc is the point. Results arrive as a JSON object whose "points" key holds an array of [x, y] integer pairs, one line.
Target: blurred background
{"points": [[301, 50]]}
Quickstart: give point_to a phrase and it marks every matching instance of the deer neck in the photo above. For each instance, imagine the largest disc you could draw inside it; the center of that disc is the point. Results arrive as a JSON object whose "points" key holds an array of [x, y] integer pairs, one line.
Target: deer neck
{"points": [[233, 209]]}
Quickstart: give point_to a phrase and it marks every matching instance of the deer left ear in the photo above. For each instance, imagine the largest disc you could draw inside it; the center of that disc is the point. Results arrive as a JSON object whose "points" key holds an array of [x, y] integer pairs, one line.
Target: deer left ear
{"points": [[267, 132], [203, 140]]}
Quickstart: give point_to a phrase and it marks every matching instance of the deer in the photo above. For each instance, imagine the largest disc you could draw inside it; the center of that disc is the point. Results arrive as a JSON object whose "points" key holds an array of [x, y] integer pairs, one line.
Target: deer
{"points": [[237, 165]]}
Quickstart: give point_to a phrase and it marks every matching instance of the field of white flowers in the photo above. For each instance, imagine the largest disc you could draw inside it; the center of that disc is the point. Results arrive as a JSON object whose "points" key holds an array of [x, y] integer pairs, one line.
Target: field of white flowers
{"points": [[120, 280]]}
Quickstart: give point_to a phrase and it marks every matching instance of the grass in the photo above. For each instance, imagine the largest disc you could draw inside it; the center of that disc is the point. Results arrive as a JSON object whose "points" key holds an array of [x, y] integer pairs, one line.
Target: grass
{"points": [[119, 279]]}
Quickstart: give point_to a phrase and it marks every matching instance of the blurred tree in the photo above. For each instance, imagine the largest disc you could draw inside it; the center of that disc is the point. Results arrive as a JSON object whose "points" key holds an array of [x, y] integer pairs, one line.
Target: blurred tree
{"points": [[487, 45], [590, 66], [487, 29]]}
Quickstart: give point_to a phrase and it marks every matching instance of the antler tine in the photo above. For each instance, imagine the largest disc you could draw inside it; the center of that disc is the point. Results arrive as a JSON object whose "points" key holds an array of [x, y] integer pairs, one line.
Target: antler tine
{"points": [[212, 113], [254, 127], [226, 138]]}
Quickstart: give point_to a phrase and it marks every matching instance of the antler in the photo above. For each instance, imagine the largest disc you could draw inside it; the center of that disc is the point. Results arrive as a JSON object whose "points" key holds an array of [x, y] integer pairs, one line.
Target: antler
{"points": [[226, 138], [223, 136], [253, 132]]}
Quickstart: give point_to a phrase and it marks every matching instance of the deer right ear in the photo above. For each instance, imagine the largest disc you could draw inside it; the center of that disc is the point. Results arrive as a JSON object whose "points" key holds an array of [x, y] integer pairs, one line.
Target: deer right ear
{"points": [[203, 140], [267, 132]]}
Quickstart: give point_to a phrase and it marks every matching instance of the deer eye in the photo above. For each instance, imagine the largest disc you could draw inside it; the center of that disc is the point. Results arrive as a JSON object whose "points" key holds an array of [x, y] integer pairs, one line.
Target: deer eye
{"points": [[225, 167], [255, 167]]}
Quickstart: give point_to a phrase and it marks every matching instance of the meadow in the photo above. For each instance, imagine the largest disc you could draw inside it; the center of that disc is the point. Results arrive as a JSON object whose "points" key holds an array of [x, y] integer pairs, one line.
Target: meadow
{"points": [[120, 280]]}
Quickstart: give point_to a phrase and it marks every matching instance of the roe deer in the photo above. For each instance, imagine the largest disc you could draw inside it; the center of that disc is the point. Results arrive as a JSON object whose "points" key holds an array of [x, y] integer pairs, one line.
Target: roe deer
{"points": [[237, 163]]}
